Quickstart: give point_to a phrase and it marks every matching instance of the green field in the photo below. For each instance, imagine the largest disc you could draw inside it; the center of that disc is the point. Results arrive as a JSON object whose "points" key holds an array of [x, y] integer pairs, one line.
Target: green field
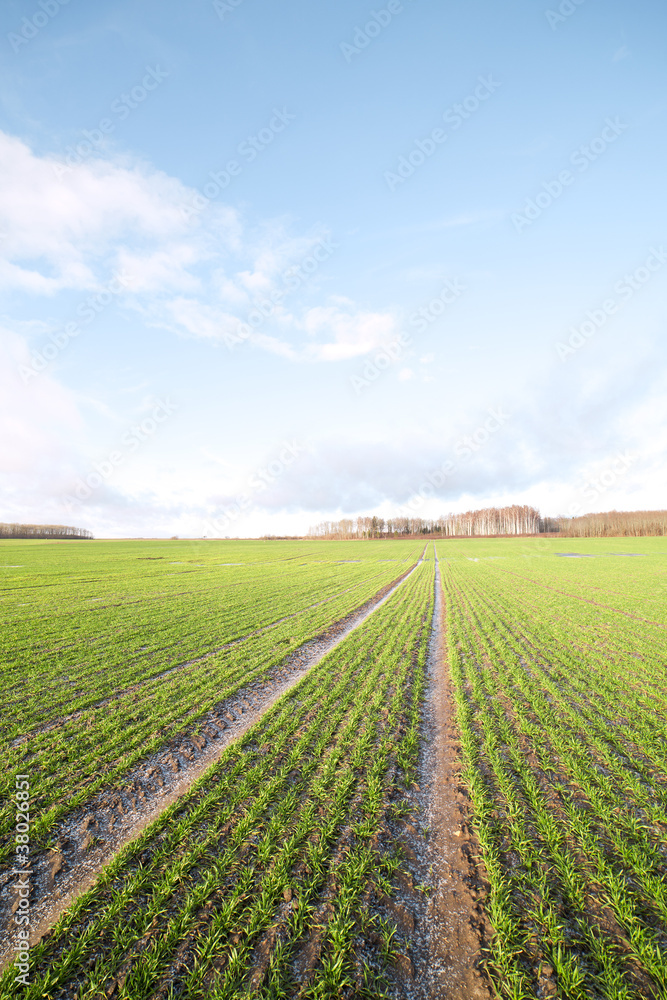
{"points": [[559, 666], [98, 640], [266, 877]]}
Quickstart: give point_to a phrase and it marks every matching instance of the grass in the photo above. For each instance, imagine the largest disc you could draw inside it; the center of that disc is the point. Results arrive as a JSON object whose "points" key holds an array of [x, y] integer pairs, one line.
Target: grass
{"points": [[260, 881], [91, 689], [561, 705], [296, 805]]}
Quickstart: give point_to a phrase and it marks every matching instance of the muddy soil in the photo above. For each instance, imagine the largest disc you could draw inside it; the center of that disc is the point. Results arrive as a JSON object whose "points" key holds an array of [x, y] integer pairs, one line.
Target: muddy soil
{"points": [[438, 905]]}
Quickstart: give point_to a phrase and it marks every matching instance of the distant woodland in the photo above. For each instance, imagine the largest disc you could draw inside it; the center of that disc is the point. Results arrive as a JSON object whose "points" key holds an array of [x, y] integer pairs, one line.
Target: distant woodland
{"points": [[514, 520], [633, 523], [42, 531], [490, 521]]}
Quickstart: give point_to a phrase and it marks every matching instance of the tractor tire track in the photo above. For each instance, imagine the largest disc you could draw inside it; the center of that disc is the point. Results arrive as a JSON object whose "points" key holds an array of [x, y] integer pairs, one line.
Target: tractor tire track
{"points": [[88, 839], [450, 926], [93, 706]]}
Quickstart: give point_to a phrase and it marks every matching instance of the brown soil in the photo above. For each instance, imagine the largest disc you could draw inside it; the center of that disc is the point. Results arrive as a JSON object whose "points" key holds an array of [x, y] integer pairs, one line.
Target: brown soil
{"points": [[443, 928]]}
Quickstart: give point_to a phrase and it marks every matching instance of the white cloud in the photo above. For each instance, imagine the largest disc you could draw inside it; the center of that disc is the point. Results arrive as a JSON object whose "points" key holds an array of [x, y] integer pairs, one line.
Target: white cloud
{"points": [[198, 319], [39, 425], [201, 277], [353, 332], [165, 268], [60, 231]]}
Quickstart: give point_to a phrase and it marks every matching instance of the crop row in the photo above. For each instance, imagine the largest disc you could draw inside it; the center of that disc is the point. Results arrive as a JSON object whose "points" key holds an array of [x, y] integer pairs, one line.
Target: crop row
{"points": [[124, 717], [561, 708], [97, 623], [259, 879], [625, 574]]}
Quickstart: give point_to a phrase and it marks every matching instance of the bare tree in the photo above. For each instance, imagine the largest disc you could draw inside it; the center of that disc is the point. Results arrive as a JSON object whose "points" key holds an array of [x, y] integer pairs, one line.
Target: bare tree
{"points": [[490, 521], [42, 531], [630, 523]]}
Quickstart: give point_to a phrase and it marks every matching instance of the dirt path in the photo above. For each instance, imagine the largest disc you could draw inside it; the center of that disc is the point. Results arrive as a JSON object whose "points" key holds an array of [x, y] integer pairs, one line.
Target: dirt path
{"points": [[449, 922], [89, 838]]}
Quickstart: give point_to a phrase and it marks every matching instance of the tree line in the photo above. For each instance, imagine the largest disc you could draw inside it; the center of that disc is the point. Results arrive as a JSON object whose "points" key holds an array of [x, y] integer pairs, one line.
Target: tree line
{"points": [[513, 520], [630, 523], [42, 531], [489, 521]]}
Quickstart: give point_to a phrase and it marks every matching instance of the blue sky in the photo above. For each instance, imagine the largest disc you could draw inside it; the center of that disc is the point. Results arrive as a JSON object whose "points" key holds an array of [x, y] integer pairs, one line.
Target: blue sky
{"points": [[267, 264]]}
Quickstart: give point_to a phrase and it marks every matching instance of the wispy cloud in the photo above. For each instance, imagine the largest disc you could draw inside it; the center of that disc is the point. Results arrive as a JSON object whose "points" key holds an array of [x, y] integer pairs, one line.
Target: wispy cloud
{"points": [[198, 278]]}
